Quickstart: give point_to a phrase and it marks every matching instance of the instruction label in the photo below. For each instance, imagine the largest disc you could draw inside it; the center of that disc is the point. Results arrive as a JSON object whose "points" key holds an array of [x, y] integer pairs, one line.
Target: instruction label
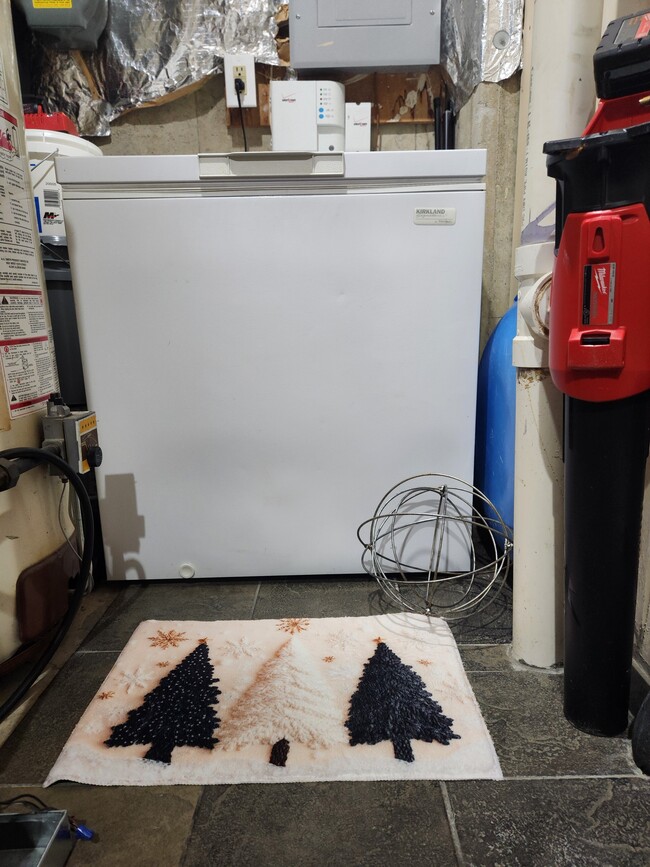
{"points": [[435, 216], [25, 350], [22, 315], [26, 347], [52, 4], [18, 262], [28, 374]]}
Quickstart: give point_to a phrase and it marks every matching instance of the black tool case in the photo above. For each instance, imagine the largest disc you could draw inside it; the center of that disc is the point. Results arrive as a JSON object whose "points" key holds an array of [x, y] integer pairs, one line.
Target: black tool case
{"points": [[622, 60]]}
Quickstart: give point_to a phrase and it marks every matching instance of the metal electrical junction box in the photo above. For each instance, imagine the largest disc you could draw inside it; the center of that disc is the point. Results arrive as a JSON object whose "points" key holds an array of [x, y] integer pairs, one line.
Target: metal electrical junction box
{"points": [[41, 839], [375, 34], [76, 436]]}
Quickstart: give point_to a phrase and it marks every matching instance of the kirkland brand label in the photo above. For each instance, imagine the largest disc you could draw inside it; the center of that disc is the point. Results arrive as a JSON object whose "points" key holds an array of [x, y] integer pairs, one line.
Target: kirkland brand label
{"points": [[435, 216]]}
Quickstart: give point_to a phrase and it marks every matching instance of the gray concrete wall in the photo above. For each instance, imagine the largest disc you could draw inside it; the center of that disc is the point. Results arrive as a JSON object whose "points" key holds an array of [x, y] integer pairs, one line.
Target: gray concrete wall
{"points": [[489, 120], [196, 123]]}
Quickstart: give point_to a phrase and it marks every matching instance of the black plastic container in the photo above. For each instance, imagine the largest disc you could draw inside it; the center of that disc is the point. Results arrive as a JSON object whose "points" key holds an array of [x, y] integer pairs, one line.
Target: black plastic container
{"points": [[64, 328], [600, 172], [622, 60], [605, 450]]}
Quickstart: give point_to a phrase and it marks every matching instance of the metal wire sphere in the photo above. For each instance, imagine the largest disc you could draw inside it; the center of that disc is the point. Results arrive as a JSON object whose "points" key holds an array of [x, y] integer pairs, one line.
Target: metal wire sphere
{"points": [[437, 545]]}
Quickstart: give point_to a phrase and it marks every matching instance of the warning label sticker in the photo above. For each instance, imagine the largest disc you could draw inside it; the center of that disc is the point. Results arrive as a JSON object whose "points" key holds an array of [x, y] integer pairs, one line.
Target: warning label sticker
{"points": [[9, 139], [18, 253], [28, 375], [52, 4], [25, 351], [22, 315], [28, 372]]}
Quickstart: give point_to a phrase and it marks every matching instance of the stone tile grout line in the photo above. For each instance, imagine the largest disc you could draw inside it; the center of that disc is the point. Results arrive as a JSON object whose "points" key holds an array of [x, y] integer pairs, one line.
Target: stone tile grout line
{"points": [[255, 598], [449, 810], [531, 778], [188, 839]]}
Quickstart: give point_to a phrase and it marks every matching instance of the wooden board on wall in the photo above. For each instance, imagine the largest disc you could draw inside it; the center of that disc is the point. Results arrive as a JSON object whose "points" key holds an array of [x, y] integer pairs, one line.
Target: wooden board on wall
{"points": [[396, 97]]}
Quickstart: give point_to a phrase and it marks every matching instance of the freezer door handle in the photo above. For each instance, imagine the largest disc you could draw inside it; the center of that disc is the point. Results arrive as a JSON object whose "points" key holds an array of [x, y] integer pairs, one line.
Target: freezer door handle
{"points": [[263, 164]]}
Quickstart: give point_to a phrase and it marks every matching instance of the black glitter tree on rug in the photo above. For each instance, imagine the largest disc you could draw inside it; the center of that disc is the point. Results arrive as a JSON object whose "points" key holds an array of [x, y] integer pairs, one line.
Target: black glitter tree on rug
{"points": [[392, 704], [177, 713]]}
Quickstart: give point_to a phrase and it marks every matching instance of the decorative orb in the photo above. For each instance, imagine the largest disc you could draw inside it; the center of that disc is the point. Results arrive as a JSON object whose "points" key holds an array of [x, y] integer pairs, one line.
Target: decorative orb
{"points": [[437, 545]]}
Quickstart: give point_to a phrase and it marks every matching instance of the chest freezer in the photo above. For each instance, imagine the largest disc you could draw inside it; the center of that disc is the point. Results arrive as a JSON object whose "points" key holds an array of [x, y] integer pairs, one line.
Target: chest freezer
{"points": [[272, 341]]}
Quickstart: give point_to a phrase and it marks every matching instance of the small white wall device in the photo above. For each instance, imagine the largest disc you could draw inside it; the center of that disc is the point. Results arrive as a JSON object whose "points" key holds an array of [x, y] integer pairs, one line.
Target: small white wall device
{"points": [[358, 124], [307, 116]]}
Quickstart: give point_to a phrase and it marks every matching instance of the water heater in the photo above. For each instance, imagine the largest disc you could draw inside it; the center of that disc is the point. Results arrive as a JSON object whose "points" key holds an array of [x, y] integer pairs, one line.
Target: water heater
{"points": [[307, 116]]}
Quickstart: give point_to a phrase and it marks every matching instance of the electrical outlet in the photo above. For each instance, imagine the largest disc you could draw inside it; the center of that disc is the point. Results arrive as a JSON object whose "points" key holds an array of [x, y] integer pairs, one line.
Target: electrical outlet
{"points": [[240, 66], [239, 72]]}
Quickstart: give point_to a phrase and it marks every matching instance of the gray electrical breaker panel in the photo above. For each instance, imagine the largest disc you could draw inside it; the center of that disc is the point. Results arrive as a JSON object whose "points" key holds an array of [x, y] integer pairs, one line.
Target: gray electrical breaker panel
{"points": [[372, 34], [67, 24]]}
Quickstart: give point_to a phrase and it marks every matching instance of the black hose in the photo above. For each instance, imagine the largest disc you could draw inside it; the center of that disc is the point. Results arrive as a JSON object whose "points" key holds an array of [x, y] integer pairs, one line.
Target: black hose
{"points": [[46, 457]]}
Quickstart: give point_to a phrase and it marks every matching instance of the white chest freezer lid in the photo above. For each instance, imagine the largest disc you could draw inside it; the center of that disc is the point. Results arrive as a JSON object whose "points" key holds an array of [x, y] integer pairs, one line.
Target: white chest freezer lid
{"points": [[463, 166]]}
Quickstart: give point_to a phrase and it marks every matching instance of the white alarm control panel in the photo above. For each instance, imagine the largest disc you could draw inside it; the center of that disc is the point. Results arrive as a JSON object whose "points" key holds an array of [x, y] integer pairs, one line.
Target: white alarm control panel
{"points": [[307, 116]]}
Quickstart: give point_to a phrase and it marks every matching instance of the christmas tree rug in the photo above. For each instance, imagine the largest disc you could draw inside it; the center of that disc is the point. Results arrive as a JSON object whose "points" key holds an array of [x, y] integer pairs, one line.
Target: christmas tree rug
{"points": [[274, 701]]}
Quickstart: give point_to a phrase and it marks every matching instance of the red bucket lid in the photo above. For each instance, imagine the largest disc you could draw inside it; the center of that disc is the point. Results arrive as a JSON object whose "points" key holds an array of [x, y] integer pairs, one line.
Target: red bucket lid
{"points": [[57, 122]]}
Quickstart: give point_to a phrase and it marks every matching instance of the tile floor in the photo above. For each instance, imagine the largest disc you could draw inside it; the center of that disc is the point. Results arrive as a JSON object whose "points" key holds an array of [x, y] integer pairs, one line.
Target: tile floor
{"points": [[567, 798]]}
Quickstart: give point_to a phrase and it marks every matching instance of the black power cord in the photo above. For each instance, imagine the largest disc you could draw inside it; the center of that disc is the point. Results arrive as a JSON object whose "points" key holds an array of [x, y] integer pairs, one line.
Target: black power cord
{"points": [[30, 457], [239, 88]]}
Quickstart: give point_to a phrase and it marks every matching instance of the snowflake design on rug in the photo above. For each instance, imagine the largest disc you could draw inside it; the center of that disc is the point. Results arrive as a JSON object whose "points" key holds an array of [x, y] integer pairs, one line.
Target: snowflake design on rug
{"points": [[424, 662], [104, 695], [341, 640], [117, 714], [243, 647], [165, 640], [138, 679], [162, 665], [293, 624], [342, 671], [95, 727], [329, 658]]}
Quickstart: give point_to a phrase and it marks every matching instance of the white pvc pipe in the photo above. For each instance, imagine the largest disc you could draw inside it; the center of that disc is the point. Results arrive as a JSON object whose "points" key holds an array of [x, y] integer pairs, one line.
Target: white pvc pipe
{"points": [[562, 88], [560, 98], [537, 632], [613, 9]]}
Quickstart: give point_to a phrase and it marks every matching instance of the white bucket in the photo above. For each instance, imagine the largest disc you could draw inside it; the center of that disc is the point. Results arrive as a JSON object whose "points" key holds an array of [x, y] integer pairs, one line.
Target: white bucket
{"points": [[43, 146]]}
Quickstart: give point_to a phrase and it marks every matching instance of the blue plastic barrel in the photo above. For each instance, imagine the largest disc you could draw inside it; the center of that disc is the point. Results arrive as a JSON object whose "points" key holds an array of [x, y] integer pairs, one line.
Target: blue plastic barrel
{"points": [[494, 460]]}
